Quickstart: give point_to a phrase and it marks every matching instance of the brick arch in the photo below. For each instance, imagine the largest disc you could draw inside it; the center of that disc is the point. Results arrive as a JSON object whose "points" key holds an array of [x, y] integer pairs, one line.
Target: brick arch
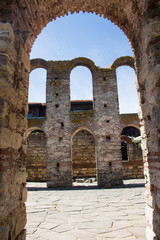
{"points": [[123, 61], [84, 62], [131, 125], [21, 22], [35, 16], [80, 129], [29, 130], [38, 63], [72, 129]]}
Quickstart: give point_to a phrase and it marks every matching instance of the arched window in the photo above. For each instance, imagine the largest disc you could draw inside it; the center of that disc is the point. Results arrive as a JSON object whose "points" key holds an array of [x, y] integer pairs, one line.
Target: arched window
{"points": [[81, 89], [127, 93], [124, 151], [37, 86], [131, 132]]}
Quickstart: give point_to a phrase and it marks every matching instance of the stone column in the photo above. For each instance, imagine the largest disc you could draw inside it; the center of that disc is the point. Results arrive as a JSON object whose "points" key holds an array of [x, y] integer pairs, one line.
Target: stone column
{"points": [[107, 122], [148, 65], [14, 72], [59, 173]]}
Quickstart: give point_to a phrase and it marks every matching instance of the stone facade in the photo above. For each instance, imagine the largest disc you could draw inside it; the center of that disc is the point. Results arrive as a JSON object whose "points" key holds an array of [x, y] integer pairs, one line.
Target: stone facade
{"points": [[61, 123], [36, 157], [20, 24], [83, 155]]}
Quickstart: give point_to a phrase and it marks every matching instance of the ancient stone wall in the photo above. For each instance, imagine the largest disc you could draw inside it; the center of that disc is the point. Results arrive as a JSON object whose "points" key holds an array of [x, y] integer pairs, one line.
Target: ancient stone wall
{"points": [[132, 168], [130, 119], [83, 155], [20, 24], [61, 123], [36, 157], [13, 123]]}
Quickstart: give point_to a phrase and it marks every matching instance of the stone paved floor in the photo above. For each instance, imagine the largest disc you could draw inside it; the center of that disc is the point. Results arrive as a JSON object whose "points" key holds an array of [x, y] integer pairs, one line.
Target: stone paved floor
{"points": [[86, 213]]}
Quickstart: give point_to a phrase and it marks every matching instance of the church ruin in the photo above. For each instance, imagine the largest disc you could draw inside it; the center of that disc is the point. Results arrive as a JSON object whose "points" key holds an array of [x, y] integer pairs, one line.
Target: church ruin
{"points": [[20, 24], [83, 155]]}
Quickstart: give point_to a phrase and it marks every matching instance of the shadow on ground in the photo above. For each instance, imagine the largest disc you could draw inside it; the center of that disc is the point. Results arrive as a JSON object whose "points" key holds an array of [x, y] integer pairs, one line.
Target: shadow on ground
{"points": [[86, 187]]}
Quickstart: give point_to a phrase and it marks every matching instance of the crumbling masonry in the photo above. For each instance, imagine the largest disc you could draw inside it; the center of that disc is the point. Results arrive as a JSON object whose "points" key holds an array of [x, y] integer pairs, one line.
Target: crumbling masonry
{"points": [[61, 123], [93, 136], [83, 147], [20, 24]]}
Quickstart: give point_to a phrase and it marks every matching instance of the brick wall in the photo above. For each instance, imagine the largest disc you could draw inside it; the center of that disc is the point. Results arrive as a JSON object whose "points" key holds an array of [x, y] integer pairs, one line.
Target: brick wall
{"points": [[83, 155], [36, 157]]}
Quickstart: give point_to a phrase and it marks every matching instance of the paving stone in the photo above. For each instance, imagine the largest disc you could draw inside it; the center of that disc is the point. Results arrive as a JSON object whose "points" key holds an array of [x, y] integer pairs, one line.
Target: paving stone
{"points": [[83, 234], [94, 214]]}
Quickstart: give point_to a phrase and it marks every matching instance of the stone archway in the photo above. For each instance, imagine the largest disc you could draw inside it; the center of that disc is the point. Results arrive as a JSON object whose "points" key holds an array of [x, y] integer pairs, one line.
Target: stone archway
{"points": [[21, 22]]}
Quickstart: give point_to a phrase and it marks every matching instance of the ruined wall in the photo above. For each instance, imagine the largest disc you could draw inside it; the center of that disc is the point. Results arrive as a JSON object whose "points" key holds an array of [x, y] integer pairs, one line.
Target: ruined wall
{"points": [[13, 123], [21, 22], [61, 123], [130, 119], [132, 168], [83, 155], [36, 157]]}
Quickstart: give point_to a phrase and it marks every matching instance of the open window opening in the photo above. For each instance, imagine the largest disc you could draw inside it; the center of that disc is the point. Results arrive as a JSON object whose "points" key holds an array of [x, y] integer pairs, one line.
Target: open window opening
{"points": [[37, 94], [132, 160], [131, 131], [81, 89], [127, 93], [124, 151], [84, 158]]}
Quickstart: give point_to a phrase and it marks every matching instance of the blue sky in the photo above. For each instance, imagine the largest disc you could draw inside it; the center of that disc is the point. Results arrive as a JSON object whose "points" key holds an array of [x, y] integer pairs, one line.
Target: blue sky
{"points": [[84, 35]]}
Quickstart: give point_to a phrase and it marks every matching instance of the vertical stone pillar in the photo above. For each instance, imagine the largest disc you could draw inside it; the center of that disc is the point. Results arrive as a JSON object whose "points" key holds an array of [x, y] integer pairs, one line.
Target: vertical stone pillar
{"points": [[14, 71], [59, 173], [149, 93], [107, 122]]}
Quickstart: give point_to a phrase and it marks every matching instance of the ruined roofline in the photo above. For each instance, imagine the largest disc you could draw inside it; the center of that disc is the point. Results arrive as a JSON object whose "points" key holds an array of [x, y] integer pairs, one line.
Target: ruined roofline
{"points": [[77, 101]]}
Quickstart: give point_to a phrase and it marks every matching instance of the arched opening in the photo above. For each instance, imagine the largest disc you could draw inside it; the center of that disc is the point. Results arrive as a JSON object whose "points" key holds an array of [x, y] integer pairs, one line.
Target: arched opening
{"points": [[127, 92], [131, 131], [132, 158], [81, 89], [95, 38], [59, 166], [36, 156], [134, 18], [37, 86], [84, 157]]}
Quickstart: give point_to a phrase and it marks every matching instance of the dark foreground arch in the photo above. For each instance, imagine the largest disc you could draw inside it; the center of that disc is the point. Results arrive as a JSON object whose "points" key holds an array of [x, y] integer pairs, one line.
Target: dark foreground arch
{"points": [[21, 22]]}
